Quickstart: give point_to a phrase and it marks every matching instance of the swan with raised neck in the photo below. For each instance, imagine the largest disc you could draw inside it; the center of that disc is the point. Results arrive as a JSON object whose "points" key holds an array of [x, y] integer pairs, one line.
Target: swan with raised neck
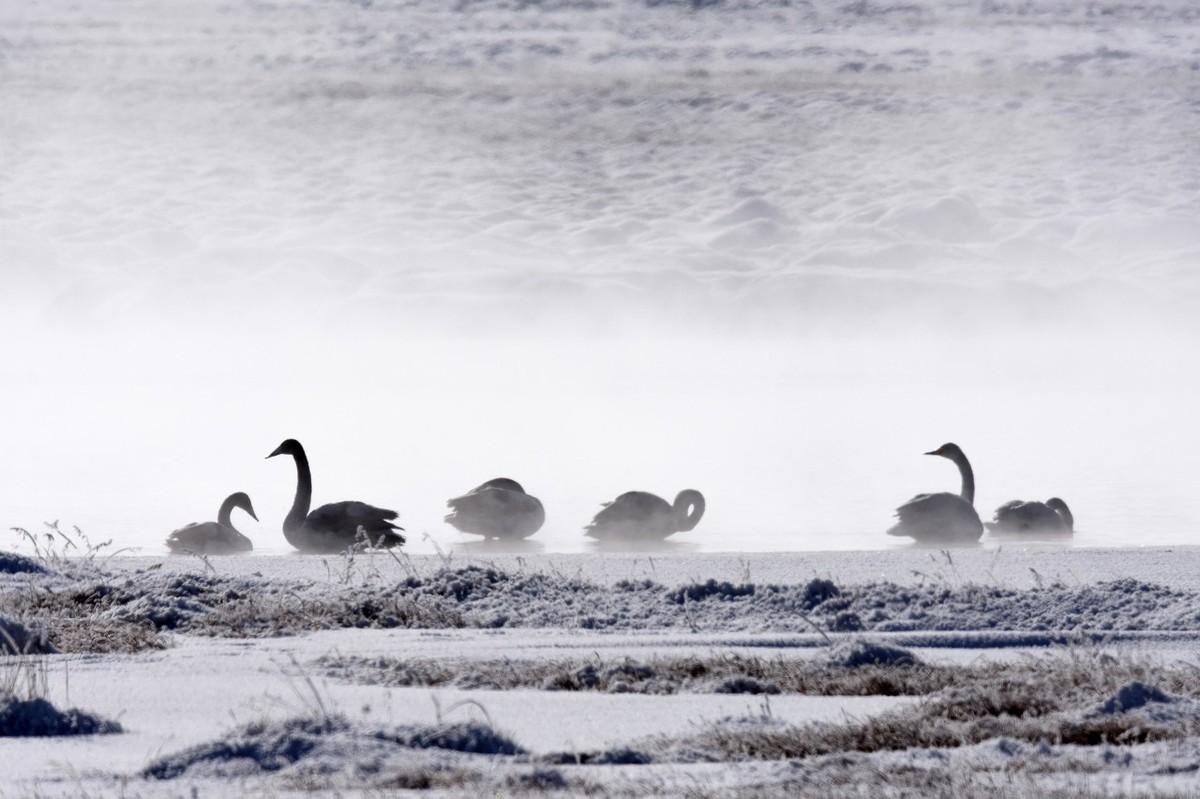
{"points": [[942, 518], [336, 526]]}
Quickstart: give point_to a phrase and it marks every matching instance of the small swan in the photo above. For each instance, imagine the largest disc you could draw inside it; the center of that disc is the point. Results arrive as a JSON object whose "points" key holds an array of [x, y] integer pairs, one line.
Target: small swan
{"points": [[499, 508], [641, 516], [942, 517], [1051, 517], [214, 538], [334, 527]]}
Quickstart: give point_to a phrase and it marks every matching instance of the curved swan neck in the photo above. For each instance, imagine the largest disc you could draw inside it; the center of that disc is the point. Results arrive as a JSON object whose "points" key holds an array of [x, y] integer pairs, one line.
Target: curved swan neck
{"points": [[299, 511], [1063, 511], [968, 477], [692, 500], [224, 515]]}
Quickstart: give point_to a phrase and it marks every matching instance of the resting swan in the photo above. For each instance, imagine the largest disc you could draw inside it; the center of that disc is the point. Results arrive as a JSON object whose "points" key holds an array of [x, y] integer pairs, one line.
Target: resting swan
{"points": [[942, 517], [1049, 517], [215, 538], [499, 508], [334, 527], [641, 516]]}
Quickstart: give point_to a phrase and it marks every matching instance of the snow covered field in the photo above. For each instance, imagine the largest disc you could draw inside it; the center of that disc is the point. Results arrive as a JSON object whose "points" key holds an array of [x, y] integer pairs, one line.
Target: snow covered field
{"points": [[621, 675]]}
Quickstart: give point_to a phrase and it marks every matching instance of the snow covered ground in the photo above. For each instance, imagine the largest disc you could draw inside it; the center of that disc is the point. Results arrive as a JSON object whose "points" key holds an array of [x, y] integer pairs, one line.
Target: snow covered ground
{"points": [[615, 675]]}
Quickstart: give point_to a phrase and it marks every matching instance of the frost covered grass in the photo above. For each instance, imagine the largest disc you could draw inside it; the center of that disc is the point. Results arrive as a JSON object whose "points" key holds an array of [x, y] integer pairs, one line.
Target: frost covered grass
{"points": [[68, 551], [1080, 697], [24, 709], [318, 748], [275, 746], [1017, 724], [723, 672], [114, 611]]}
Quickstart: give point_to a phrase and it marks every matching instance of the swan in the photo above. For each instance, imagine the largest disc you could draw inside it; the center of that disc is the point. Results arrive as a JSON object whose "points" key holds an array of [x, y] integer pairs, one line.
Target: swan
{"points": [[334, 527], [638, 515], [215, 538], [1049, 517], [942, 517], [499, 508]]}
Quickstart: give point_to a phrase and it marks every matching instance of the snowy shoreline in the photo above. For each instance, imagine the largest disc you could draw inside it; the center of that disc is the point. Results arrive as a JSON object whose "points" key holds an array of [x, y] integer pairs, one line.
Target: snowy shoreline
{"points": [[1013, 564], [323, 647]]}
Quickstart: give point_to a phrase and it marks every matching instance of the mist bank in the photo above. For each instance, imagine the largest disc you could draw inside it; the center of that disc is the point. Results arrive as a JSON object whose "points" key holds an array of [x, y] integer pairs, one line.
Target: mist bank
{"points": [[202, 303], [797, 441]]}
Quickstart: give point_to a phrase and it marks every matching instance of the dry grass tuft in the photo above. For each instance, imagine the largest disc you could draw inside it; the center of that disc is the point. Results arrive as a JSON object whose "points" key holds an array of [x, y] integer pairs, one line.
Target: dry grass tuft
{"points": [[68, 552], [1052, 699], [718, 673]]}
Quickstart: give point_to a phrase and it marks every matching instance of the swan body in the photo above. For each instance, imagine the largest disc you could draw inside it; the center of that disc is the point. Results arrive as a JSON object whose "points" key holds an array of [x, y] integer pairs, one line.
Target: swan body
{"points": [[942, 517], [1051, 517], [641, 516], [499, 508], [337, 526], [215, 538]]}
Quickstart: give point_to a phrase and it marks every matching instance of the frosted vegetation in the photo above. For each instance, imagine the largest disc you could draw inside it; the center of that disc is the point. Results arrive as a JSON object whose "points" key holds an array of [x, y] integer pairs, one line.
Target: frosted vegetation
{"points": [[1072, 709]]}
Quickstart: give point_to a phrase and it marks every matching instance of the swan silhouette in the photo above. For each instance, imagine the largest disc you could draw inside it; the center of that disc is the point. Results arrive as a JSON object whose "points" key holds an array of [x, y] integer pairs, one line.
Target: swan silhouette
{"points": [[641, 516], [1045, 518], [215, 538], [499, 508], [337, 526], [942, 517]]}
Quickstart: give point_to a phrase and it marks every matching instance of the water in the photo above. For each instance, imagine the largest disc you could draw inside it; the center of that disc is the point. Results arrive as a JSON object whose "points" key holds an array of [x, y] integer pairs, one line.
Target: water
{"points": [[771, 253]]}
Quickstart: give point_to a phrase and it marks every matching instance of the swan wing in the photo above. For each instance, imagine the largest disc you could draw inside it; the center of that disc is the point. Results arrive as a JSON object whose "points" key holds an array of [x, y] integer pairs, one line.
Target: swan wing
{"points": [[341, 520], [1018, 516], [937, 517], [496, 513], [633, 514], [208, 538]]}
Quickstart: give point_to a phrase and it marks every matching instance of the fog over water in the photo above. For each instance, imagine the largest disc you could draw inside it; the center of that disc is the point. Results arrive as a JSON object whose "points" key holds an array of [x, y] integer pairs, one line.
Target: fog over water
{"points": [[770, 252]]}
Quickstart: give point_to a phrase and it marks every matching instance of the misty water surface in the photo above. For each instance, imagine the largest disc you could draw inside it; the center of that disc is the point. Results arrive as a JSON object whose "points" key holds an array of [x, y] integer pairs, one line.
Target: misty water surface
{"points": [[773, 253]]}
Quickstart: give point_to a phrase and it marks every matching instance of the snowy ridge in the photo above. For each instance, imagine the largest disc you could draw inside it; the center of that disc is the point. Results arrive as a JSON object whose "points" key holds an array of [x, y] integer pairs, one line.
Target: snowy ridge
{"points": [[478, 596]]}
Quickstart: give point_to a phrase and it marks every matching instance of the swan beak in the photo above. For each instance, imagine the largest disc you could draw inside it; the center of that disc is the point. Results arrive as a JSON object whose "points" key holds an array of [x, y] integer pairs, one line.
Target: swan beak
{"points": [[277, 451], [253, 515]]}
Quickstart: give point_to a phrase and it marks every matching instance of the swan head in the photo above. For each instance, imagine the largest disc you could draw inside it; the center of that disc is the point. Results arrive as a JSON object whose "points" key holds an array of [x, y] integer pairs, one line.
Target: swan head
{"points": [[290, 447], [242, 500], [950, 451]]}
